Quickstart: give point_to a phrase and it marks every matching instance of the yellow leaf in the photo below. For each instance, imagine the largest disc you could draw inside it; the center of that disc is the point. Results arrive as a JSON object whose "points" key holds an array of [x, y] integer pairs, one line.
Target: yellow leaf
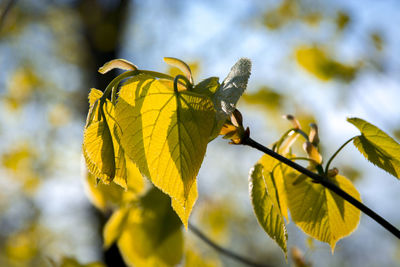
{"points": [[184, 212], [321, 213], [114, 226], [266, 206], [97, 144], [102, 196], [151, 234], [97, 148], [274, 178], [98, 151], [377, 146], [94, 95], [165, 133]]}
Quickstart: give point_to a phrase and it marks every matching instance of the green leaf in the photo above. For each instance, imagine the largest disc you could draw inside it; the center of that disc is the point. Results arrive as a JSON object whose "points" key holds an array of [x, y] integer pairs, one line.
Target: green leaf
{"points": [[377, 146], [207, 87], [319, 212], [166, 134], [152, 234], [266, 208]]}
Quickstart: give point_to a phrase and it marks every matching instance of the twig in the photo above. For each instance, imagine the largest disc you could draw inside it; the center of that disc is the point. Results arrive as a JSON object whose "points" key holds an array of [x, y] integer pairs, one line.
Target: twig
{"points": [[326, 183], [222, 250]]}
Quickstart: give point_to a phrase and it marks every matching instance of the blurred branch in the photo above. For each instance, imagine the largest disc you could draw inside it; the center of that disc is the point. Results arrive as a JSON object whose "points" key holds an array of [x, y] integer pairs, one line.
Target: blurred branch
{"points": [[5, 11], [222, 250]]}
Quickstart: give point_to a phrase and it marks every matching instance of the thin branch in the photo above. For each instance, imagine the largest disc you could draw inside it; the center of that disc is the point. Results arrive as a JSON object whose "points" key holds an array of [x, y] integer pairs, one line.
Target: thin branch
{"points": [[326, 183], [6, 10], [222, 250], [335, 154]]}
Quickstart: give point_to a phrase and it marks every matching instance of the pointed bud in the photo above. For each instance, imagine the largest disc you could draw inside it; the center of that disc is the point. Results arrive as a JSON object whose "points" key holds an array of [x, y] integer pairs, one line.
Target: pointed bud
{"points": [[293, 120], [312, 152], [117, 64], [313, 136], [333, 172]]}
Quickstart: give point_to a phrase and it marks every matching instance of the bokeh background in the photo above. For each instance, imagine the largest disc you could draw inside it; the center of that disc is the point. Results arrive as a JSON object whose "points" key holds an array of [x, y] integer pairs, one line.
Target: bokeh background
{"points": [[321, 61]]}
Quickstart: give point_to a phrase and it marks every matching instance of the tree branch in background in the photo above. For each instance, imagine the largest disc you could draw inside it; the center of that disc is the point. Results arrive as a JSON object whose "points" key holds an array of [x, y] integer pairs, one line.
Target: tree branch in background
{"points": [[5, 11], [222, 250]]}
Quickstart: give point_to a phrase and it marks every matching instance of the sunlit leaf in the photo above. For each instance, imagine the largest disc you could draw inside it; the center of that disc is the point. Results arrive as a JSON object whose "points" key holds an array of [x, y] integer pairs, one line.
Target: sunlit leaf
{"points": [[321, 213], [377, 146], [98, 150], [117, 64], [266, 207], [114, 226], [274, 174], [184, 211], [165, 133], [102, 196], [152, 234]]}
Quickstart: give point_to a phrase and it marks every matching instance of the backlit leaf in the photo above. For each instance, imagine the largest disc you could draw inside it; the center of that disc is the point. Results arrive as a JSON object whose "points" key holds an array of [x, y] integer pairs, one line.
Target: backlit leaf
{"points": [[274, 176], [377, 146], [265, 207], [98, 151], [152, 234], [321, 213], [102, 196], [114, 226], [166, 134]]}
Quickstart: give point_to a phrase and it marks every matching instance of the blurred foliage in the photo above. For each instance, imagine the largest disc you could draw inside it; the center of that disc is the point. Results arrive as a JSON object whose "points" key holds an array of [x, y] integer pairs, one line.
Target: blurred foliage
{"points": [[342, 20], [71, 262], [317, 62]]}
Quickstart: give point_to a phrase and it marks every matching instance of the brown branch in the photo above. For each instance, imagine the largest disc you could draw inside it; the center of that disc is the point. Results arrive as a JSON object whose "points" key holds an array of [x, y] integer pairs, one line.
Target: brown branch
{"points": [[222, 250]]}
